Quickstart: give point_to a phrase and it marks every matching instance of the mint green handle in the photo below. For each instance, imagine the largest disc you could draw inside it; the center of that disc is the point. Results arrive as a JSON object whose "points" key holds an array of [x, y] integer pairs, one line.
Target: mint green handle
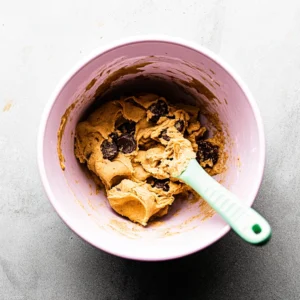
{"points": [[245, 221]]}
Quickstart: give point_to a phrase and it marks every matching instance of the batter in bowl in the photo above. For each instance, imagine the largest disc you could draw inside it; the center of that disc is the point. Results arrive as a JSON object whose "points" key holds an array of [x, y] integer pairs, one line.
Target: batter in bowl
{"points": [[137, 145]]}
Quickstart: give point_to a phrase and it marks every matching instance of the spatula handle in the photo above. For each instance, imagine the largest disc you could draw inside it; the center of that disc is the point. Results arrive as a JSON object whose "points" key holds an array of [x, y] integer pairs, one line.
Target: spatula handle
{"points": [[245, 221]]}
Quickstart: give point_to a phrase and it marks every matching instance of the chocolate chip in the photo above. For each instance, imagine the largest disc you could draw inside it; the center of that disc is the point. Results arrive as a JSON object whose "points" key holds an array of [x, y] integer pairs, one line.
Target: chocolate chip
{"points": [[171, 117], [128, 127], [150, 180], [109, 150], [179, 125], [204, 136], [161, 184], [113, 136], [164, 135], [207, 151], [126, 143], [166, 187], [158, 109]]}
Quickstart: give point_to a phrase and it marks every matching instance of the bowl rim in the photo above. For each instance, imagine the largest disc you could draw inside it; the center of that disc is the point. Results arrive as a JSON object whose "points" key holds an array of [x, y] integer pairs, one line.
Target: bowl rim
{"points": [[123, 42]]}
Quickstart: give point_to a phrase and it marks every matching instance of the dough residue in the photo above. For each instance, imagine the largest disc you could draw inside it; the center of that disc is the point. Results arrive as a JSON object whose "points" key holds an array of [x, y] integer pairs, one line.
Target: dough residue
{"points": [[138, 145]]}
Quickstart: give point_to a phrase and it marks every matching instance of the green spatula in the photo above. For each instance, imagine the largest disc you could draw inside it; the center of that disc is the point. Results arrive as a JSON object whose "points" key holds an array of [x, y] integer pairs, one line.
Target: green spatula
{"points": [[245, 221]]}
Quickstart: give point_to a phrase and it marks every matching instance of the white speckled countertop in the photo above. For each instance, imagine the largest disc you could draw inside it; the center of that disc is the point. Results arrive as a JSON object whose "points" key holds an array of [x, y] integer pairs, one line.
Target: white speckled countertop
{"points": [[40, 258]]}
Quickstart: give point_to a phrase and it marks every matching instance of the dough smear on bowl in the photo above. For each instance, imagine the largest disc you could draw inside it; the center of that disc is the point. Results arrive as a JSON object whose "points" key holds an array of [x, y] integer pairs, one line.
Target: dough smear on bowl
{"points": [[137, 145]]}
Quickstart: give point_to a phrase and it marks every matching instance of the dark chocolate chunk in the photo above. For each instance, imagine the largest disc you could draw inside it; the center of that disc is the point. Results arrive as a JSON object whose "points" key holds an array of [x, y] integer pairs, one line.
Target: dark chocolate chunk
{"points": [[204, 136], [114, 136], [126, 143], [179, 125], [109, 150], [128, 127], [161, 184], [150, 180], [158, 109], [207, 151], [164, 135]]}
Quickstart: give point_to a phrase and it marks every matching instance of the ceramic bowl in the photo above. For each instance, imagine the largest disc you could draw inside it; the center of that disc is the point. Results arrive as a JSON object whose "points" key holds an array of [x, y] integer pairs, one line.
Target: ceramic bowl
{"points": [[182, 70]]}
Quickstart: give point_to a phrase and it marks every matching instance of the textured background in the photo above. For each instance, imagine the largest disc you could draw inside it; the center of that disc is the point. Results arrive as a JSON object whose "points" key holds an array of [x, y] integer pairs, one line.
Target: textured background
{"points": [[40, 258]]}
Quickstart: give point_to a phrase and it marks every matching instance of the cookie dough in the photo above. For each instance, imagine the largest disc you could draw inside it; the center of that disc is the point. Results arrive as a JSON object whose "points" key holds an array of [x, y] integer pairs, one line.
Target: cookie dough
{"points": [[137, 146]]}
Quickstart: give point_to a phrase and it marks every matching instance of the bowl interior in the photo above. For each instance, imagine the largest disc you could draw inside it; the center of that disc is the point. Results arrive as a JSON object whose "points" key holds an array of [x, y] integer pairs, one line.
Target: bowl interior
{"points": [[181, 73]]}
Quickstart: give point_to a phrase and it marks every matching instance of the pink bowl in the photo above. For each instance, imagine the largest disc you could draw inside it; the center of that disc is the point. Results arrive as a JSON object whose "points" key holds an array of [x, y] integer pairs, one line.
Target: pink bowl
{"points": [[73, 195]]}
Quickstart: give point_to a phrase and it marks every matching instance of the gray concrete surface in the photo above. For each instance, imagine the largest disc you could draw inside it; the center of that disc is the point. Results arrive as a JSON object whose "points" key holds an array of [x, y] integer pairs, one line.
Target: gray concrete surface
{"points": [[40, 258]]}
